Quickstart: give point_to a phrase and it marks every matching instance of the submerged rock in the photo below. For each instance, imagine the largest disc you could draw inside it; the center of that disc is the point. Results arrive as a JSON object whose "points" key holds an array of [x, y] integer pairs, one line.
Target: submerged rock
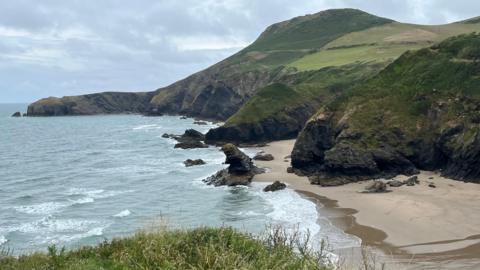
{"points": [[200, 123], [190, 145], [191, 162], [17, 114], [240, 172], [263, 157], [276, 186], [432, 185]]}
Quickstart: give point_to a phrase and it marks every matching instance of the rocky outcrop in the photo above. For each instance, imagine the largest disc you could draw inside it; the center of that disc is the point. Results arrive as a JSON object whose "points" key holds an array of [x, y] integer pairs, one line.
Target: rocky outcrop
{"points": [[331, 155], [17, 114], [263, 157], [200, 123], [412, 181], [323, 150], [376, 187], [194, 162], [189, 140], [395, 183], [277, 127], [101, 103], [240, 171], [276, 186]]}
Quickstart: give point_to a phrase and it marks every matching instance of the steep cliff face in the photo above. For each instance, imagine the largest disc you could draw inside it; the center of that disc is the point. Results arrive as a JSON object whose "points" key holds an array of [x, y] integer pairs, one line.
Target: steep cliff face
{"points": [[421, 112], [280, 110], [216, 93]]}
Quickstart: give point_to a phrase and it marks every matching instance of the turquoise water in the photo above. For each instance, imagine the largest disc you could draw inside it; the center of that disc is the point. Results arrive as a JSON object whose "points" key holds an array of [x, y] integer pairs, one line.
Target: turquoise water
{"points": [[73, 181]]}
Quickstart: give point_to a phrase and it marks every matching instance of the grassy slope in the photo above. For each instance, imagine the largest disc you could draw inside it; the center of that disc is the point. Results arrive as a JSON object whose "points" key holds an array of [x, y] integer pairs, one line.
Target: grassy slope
{"points": [[444, 78], [315, 86], [382, 43], [202, 248], [314, 31], [374, 47], [287, 41]]}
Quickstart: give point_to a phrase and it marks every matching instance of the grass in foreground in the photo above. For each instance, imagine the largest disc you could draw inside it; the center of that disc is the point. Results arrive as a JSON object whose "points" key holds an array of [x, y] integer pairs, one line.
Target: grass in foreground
{"points": [[203, 248]]}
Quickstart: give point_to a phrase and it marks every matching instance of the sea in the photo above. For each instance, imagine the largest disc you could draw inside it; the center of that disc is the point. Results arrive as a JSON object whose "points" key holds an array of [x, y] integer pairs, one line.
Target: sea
{"points": [[81, 180]]}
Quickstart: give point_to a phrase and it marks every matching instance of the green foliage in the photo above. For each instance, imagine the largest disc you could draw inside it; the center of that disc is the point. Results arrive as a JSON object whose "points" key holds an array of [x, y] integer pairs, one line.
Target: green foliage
{"points": [[203, 248], [349, 55], [400, 99], [466, 47], [269, 100], [314, 31], [312, 87]]}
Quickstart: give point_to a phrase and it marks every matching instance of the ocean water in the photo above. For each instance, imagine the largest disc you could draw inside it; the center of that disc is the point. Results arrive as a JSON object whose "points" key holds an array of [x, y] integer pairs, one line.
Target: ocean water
{"points": [[75, 181]]}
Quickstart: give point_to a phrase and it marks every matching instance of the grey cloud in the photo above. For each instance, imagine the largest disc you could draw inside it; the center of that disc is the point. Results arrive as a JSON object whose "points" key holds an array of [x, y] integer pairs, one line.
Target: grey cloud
{"points": [[57, 47]]}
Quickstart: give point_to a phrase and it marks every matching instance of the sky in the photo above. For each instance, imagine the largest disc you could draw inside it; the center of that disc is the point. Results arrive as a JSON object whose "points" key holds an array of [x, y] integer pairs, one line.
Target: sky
{"points": [[71, 47]]}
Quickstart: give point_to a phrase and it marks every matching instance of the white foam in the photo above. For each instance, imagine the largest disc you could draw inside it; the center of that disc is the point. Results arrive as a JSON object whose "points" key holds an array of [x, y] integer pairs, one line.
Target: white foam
{"points": [[3, 240], [50, 224], [96, 193], [83, 201], [290, 209], [124, 213], [98, 231], [294, 212], [249, 214], [83, 191], [154, 126], [41, 208]]}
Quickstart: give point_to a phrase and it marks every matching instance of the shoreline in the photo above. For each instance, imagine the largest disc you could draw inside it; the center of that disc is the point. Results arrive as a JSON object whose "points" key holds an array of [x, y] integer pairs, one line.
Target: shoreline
{"points": [[411, 223]]}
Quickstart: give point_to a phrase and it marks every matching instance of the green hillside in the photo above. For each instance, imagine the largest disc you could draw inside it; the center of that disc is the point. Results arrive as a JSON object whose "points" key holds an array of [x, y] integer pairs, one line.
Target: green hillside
{"points": [[421, 112], [380, 44], [339, 59], [314, 31]]}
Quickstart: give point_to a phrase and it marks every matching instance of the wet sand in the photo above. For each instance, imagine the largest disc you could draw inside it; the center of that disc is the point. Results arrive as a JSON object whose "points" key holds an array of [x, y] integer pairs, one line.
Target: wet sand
{"points": [[414, 224]]}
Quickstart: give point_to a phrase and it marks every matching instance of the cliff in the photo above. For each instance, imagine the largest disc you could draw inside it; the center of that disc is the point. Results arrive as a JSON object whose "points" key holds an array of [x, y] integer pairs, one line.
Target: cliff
{"points": [[421, 112]]}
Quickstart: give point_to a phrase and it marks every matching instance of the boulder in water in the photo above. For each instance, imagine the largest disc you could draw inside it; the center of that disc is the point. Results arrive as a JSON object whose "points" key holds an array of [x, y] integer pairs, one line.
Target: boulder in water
{"points": [[240, 172], [200, 123], [193, 162], [188, 140], [17, 114], [276, 186]]}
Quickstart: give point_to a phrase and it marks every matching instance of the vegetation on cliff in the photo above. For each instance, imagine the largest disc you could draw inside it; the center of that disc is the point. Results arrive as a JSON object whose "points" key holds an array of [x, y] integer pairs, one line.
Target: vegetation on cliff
{"points": [[419, 112], [341, 63], [202, 248]]}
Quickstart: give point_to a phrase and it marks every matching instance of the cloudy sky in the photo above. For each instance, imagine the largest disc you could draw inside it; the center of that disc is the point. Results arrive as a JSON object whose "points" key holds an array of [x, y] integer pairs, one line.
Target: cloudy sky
{"points": [[68, 47]]}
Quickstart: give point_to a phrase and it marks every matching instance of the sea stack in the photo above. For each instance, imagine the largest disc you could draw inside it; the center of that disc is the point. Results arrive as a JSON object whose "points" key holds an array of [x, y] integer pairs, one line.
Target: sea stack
{"points": [[240, 172]]}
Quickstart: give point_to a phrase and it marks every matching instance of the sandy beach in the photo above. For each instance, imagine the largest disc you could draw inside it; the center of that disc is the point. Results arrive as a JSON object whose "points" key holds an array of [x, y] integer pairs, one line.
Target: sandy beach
{"points": [[441, 222]]}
